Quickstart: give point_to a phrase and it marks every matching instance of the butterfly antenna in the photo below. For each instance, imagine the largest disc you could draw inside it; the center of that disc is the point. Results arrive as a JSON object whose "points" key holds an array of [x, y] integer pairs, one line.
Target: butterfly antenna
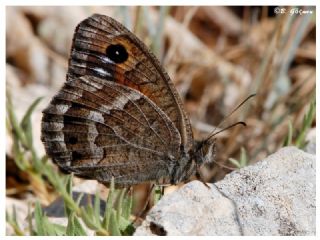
{"points": [[242, 123], [226, 128]]}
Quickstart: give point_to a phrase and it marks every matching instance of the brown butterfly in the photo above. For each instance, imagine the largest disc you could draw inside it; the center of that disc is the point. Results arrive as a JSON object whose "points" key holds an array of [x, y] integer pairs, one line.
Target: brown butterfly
{"points": [[119, 114]]}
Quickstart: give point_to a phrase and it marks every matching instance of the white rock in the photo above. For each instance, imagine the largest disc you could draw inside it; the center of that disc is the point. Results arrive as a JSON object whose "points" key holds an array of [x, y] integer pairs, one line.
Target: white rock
{"points": [[273, 197]]}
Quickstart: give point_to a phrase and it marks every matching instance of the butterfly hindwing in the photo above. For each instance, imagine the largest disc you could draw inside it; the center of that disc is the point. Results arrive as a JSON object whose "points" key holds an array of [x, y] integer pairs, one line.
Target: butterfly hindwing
{"points": [[93, 124]]}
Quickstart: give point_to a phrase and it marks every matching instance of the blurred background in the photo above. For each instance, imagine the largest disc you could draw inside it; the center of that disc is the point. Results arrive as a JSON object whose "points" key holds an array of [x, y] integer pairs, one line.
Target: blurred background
{"points": [[216, 57]]}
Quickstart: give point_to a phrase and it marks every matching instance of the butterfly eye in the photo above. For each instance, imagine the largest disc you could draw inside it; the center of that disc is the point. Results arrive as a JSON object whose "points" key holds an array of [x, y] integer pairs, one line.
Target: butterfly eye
{"points": [[117, 53]]}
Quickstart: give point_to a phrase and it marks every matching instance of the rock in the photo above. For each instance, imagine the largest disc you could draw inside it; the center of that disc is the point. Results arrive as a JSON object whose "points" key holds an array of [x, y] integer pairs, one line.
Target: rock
{"points": [[172, 215], [276, 196]]}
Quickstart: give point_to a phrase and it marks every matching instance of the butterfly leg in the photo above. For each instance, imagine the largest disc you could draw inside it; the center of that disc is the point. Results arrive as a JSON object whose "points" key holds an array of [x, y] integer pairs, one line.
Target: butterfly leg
{"points": [[143, 211], [200, 177]]}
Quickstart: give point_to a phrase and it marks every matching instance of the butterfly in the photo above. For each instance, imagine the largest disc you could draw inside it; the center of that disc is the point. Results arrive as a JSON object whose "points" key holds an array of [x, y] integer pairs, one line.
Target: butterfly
{"points": [[118, 114]]}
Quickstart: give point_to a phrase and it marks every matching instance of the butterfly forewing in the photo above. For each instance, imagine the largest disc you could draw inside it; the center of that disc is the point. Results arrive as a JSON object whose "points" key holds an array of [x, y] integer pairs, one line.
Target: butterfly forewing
{"points": [[97, 36]]}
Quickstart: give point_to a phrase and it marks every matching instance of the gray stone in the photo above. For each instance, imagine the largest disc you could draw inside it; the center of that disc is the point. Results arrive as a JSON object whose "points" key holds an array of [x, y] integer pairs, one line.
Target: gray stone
{"points": [[276, 196]]}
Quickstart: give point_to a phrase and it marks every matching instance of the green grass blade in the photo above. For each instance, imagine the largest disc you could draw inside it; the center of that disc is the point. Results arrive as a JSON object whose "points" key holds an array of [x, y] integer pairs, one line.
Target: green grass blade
{"points": [[126, 227], [19, 158], [86, 216], [29, 219], [109, 205], [235, 162], [114, 226], [78, 229], [26, 123], [307, 122], [50, 229], [16, 130], [14, 225], [96, 206], [70, 227], [120, 204], [243, 158], [27, 116], [38, 215], [58, 230], [288, 140], [127, 206]]}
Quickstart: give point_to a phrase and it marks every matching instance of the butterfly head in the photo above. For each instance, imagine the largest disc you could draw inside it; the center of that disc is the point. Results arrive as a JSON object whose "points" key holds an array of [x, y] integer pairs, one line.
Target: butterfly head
{"points": [[205, 151]]}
